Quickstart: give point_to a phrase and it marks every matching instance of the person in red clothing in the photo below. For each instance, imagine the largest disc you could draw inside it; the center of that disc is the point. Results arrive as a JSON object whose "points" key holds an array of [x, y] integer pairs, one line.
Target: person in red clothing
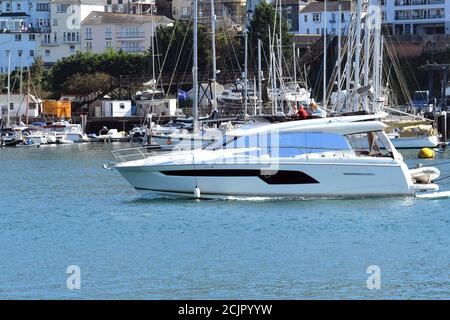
{"points": [[302, 113]]}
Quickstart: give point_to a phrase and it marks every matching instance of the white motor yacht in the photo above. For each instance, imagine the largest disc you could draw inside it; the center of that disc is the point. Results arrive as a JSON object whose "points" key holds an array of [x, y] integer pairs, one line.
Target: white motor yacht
{"points": [[296, 159], [63, 132]]}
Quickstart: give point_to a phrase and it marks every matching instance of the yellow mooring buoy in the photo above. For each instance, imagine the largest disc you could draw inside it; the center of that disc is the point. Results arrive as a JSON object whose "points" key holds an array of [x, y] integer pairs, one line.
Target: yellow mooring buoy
{"points": [[426, 153]]}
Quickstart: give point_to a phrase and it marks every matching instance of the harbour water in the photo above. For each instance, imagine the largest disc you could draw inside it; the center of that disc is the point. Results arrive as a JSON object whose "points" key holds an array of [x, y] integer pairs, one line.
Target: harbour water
{"points": [[59, 207]]}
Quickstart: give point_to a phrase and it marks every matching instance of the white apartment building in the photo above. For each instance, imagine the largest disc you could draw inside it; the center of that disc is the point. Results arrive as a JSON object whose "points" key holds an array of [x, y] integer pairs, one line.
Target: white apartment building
{"points": [[22, 23], [415, 17], [129, 6], [312, 15], [64, 38], [120, 31], [228, 12]]}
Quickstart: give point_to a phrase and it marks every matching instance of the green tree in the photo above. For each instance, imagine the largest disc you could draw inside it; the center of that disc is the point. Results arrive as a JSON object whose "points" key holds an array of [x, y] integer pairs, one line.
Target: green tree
{"points": [[112, 63], [83, 84], [264, 22]]}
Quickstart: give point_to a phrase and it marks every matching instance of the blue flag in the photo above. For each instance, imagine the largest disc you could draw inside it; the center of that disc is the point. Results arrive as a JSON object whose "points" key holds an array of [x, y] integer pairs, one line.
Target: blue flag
{"points": [[182, 95]]}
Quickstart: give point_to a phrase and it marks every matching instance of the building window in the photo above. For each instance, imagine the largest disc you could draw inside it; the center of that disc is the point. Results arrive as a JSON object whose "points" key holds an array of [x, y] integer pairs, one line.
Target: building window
{"points": [[316, 17], [88, 46], [72, 48], [31, 37], [19, 7], [307, 31], [333, 18], [19, 53], [42, 7], [8, 7], [382, 2], [305, 18], [55, 22], [108, 33], [289, 23], [47, 53], [31, 53], [17, 37], [62, 8], [88, 33], [108, 44], [185, 11]]}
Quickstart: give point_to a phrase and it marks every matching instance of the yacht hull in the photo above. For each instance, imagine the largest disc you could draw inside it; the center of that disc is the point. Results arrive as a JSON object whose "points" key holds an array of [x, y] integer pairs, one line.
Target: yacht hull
{"points": [[291, 180]]}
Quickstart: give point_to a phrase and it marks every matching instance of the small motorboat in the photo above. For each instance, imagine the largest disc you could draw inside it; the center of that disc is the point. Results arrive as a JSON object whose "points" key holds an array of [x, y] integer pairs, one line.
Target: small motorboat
{"points": [[112, 135]]}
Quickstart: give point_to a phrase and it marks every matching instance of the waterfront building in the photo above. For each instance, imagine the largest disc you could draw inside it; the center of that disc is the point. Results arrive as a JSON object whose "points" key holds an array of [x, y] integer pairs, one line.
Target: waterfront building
{"points": [[64, 37], [415, 17], [290, 10], [18, 105], [229, 13], [312, 15], [22, 22], [119, 31], [129, 6]]}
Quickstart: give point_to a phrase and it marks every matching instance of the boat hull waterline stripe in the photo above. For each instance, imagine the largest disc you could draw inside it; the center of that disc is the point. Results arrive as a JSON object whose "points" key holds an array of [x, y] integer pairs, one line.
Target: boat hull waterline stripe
{"points": [[279, 177]]}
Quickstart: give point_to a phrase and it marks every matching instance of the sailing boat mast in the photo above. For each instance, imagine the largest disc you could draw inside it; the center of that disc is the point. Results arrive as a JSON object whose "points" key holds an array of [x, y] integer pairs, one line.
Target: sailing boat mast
{"points": [[349, 62], [325, 55], [280, 55], [366, 57], [358, 49], [213, 49], [20, 89], [245, 72], [28, 95], [339, 46], [259, 78], [9, 89], [194, 72], [271, 74], [153, 48], [295, 72]]}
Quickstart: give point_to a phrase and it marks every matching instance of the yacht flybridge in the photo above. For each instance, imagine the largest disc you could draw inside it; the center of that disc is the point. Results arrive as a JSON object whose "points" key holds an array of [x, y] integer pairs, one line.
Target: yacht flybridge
{"points": [[332, 157]]}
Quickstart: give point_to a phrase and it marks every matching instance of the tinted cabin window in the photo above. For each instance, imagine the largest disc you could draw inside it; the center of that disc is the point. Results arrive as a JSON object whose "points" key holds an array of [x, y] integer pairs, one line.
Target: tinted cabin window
{"points": [[292, 144]]}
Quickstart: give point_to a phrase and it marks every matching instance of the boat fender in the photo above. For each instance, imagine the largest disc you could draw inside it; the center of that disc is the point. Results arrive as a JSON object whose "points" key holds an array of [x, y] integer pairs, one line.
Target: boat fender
{"points": [[426, 153], [197, 192]]}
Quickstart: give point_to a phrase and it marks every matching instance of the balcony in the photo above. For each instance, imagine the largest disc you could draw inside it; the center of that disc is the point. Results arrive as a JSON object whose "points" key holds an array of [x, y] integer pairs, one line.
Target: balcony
{"points": [[427, 15], [132, 49], [47, 43], [436, 16], [130, 35], [402, 3]]}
